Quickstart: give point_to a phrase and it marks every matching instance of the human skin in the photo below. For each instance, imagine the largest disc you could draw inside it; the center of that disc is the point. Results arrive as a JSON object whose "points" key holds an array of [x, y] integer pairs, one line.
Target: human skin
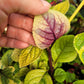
{"points": [[15, 15]]}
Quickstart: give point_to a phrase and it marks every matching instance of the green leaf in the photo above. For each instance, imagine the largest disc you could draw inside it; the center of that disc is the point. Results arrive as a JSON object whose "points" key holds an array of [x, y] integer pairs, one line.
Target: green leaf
{"points": [[34, 76], [29, 55], [16, 66], [6, 58], [79, 41], [70, 77], [1, 65], [46, 80], [0, 48], [43, 65], [44, 55], [41, 62], [6, 77], [79, 45], [34, 65], [57, 65], [63, 50], [79, 82], [49, 0], [15, 55], [82, 71], [71, 10], [63, 7], [59, 75], [21, 73]]}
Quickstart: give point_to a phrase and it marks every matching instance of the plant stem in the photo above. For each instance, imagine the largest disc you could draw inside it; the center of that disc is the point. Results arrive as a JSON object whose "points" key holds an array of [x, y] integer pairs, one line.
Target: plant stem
{"points": [[77, 10], [50, 61]]}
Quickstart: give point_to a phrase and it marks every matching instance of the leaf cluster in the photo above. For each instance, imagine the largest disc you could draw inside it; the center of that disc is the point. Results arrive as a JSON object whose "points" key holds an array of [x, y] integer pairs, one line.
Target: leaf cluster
{"points": [[61, 63]]}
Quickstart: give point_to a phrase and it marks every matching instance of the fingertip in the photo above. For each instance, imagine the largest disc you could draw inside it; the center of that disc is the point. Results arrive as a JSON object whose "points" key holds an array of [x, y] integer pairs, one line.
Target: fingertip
{"points": [[45, 3], [43, 8]]}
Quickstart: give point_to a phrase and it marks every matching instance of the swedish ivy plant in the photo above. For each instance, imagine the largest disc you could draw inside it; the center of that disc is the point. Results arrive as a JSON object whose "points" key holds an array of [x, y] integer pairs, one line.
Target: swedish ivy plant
{"points": [[58, 56]]}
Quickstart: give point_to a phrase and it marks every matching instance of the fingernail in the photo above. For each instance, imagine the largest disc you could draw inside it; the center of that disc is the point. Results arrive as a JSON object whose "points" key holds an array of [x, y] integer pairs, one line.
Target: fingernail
{"points": [[45, 3]]}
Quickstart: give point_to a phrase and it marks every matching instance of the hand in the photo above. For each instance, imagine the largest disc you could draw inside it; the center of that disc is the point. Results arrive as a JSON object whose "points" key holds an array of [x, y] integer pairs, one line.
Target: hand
{"points": [[14, 14]]}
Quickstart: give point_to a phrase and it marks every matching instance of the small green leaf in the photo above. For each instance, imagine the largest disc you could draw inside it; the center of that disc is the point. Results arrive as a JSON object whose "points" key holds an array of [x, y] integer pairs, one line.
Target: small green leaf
{"points": [[70, 77], [59, 75], [22, 72], [79, 45], [63, 7], [29, 55], [63, 50], [79, 82], [6, 76], [6, 58], [15, 55], [41, 62], [43, 65], [34, 76], [44, 55], [82, 71]]}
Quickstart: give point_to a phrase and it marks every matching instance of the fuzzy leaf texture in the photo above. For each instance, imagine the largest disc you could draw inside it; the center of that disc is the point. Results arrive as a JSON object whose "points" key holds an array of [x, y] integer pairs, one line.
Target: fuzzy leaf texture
{"points": [[63, 7], [49, 27], [37, 76], [79, 45], [63, 49], [28, 55]]}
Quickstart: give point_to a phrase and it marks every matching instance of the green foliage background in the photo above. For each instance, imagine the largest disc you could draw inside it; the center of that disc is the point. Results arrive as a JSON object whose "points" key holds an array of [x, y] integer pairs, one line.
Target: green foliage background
{"points": [[67, 58]]}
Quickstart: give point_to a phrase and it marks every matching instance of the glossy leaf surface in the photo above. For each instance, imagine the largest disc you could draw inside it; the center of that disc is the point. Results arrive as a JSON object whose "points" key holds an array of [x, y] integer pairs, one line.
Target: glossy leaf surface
{"points": [[63, 49], [79, 45], [34, 76]]}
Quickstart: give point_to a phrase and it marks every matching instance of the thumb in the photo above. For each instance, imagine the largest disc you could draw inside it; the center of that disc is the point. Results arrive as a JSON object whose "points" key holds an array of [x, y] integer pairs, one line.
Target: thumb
{"points": [[34, 7]]}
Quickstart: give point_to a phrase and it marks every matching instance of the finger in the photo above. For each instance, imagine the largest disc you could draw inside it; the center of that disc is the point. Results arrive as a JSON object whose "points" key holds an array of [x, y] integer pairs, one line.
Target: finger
{"points": [[32, 7], [12, 43], [21, 21], [20, 34]]}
